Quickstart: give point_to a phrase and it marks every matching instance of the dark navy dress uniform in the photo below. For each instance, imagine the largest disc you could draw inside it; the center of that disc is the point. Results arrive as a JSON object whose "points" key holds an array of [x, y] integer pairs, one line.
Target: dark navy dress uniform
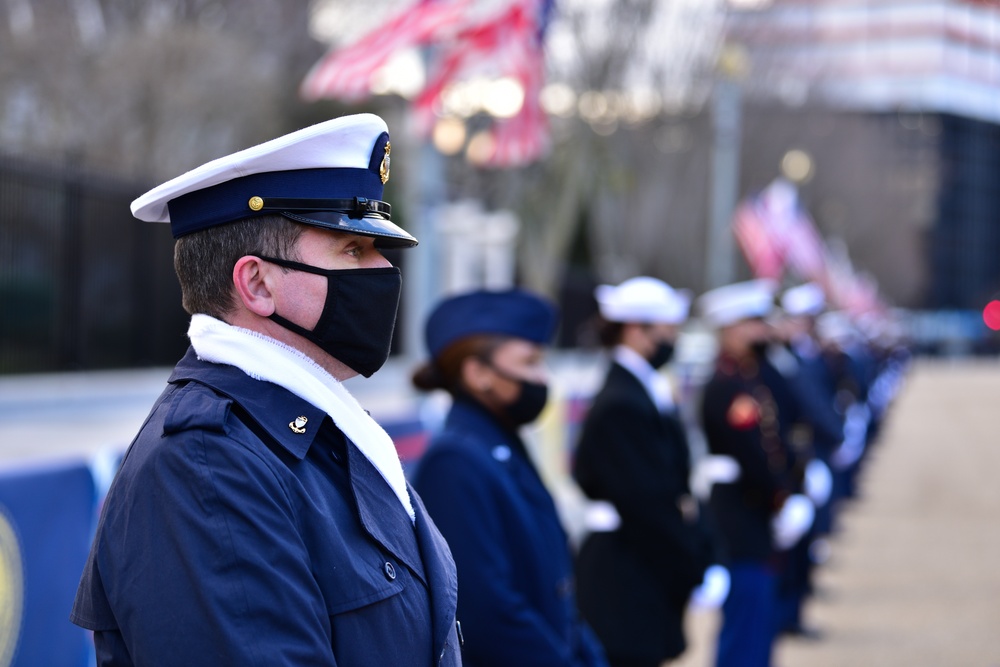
{"points": [[517, 603], [740, 419], [635, 582], [228, 538]]}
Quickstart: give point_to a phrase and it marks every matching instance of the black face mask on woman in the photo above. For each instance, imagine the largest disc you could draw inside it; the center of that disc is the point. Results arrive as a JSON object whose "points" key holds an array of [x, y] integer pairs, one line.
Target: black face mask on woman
{"points": [[530, 401], [358, 317], [663, 353]]}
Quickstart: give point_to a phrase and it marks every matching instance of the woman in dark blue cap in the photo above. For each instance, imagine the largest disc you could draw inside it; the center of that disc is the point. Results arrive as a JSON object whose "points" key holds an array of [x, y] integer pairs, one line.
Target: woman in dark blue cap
{"points": [[517, 604]]}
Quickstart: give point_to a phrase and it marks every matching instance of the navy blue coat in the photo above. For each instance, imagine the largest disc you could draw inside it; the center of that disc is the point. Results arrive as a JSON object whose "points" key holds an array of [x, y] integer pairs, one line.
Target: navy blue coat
{"points": [[517, 604], [635, 581], [229, 539], [740, 419]]}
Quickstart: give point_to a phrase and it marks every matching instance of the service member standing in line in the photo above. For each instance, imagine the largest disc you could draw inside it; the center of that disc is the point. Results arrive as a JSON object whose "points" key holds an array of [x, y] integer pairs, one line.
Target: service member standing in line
{"points": [[260, 516], [635, 579], [739, 418], [517, 603]]}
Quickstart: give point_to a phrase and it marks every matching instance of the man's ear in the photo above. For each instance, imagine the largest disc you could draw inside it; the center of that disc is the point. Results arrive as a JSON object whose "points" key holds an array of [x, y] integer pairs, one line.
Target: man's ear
{"points": [[252, 280]]}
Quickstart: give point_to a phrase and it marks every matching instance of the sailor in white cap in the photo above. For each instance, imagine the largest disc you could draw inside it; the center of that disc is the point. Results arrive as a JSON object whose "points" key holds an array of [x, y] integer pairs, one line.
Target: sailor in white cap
{"points": [[816, 432], [261, 516], [635, 578], [739, 417]]}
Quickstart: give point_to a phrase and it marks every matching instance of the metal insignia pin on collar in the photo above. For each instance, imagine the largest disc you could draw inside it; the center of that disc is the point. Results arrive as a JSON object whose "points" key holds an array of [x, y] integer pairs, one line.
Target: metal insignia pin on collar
{"points": [[299, 425]]}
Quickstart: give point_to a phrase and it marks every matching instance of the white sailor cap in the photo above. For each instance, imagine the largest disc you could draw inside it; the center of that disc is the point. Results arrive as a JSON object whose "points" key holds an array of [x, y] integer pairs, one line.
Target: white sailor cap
{"points": [[727, 305], [329, 175], [643, 299], [807, 299]]}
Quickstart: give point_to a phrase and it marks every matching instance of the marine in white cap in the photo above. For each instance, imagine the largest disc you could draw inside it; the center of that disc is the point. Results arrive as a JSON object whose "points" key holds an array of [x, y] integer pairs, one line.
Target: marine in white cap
{"points": [[635, 575], [753, 513], [261, 516]]}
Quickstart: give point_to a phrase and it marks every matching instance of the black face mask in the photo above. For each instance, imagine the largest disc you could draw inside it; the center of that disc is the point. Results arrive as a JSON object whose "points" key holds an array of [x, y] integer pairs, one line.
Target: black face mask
{"points": [[358, 317], [759, 348], [663, 353], [530, 401]]}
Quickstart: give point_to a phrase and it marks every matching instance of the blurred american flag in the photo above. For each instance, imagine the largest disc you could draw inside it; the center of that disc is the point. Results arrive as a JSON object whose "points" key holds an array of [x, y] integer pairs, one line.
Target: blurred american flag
{"points": [[506, 40]]}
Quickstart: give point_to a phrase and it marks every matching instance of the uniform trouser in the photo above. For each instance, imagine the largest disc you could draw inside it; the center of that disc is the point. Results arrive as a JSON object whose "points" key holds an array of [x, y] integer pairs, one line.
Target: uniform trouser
{"points": [[747, 632], [794, 584]]}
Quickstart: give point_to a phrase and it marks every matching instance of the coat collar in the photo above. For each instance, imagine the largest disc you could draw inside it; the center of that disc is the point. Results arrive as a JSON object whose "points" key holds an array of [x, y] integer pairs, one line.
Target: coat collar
{"points": [[277, 410], [467, 416]]}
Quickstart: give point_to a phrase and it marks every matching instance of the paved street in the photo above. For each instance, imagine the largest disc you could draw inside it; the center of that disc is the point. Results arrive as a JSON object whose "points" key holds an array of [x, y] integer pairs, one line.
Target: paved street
{"points": [[914, 577]]}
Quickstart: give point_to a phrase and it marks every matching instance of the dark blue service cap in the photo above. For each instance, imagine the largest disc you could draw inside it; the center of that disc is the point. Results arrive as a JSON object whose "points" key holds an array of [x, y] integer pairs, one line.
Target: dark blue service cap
{"points": [[330, 175], [516, 312]]}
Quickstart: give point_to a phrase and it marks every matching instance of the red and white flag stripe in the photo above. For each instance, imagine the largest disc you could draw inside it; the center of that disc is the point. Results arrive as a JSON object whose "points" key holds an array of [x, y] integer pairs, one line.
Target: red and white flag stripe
{"points": [[346, 73]]}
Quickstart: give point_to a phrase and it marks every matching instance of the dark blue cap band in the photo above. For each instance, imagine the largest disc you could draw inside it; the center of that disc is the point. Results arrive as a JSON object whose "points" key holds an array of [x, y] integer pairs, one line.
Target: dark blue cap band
{"points": [[229, 201]]}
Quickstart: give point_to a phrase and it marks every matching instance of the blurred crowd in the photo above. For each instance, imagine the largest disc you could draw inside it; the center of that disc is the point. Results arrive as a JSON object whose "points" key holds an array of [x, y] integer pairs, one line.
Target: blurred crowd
{"points": [[721, 497]]}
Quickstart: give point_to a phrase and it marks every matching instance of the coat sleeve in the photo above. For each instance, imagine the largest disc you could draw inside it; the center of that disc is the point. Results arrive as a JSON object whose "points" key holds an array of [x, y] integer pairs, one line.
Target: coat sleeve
{"points": [[215, 571], [500, 624]]}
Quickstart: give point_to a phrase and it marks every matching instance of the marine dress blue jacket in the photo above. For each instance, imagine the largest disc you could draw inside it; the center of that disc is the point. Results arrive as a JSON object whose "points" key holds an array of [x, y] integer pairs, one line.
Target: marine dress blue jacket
{"points": [[517, 604], [244, 528]]}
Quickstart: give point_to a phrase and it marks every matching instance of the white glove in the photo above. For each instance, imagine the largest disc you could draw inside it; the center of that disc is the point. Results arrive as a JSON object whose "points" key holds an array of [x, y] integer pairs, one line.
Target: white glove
{"points": [[818, 482], [713, 590], [792, 521], [855, 432], [713, 469], [600, 516]]}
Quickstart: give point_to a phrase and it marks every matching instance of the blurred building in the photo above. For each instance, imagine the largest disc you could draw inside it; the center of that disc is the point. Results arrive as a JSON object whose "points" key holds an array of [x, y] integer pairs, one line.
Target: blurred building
{"points": [[917, 83]]}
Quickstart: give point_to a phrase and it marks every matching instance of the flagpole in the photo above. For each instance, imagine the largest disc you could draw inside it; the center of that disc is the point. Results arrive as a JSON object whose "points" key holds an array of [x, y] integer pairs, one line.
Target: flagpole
{"points": [[726, 123]]}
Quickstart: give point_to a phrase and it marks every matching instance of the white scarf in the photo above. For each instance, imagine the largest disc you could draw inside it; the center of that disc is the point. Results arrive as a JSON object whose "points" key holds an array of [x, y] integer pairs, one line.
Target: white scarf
{"points": [[264, 358]]}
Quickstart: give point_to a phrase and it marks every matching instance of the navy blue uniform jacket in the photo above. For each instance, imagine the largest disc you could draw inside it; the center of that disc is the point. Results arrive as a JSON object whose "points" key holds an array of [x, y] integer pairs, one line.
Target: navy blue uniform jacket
{"points": [[229, 539], [635, 581], [740, 419], [516, 600]]}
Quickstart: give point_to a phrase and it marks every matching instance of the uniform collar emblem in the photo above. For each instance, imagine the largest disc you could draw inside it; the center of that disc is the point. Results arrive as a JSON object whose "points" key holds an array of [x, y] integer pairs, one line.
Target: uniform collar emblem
{"points": [[298, 425]]}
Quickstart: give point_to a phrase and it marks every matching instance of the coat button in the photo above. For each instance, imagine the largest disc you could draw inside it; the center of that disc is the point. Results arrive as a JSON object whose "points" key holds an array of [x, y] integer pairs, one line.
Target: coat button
{"points": [[390, 571]]}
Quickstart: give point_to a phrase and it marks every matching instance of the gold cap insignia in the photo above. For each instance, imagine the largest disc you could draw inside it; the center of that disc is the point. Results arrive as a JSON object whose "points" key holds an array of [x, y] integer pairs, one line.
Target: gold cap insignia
{"points": [[299, 425], [383, 171]]}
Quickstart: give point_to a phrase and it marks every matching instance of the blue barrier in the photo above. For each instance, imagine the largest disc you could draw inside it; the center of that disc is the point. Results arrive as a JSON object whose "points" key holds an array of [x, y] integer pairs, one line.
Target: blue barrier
{"points": [[46, 523]]}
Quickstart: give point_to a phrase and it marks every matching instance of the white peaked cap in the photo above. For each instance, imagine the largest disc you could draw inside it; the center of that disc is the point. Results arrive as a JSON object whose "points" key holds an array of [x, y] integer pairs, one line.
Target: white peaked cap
{"points": [[643, 299], [727, 305], [807, 299], [330, 175]]}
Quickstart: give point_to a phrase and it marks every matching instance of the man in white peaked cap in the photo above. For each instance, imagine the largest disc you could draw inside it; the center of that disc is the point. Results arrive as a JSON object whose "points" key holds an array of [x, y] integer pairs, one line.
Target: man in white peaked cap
{"points": [[634, 580], [740, 419], [261, 516]]}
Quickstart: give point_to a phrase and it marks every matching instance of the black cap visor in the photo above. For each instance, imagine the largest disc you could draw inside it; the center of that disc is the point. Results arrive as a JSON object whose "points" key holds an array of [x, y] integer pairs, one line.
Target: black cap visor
{"points": [[386, 233], [368, 217]]}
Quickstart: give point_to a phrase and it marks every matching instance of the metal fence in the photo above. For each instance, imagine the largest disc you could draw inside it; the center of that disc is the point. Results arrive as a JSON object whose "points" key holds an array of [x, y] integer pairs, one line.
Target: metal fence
{"points": [[83, 285]]}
